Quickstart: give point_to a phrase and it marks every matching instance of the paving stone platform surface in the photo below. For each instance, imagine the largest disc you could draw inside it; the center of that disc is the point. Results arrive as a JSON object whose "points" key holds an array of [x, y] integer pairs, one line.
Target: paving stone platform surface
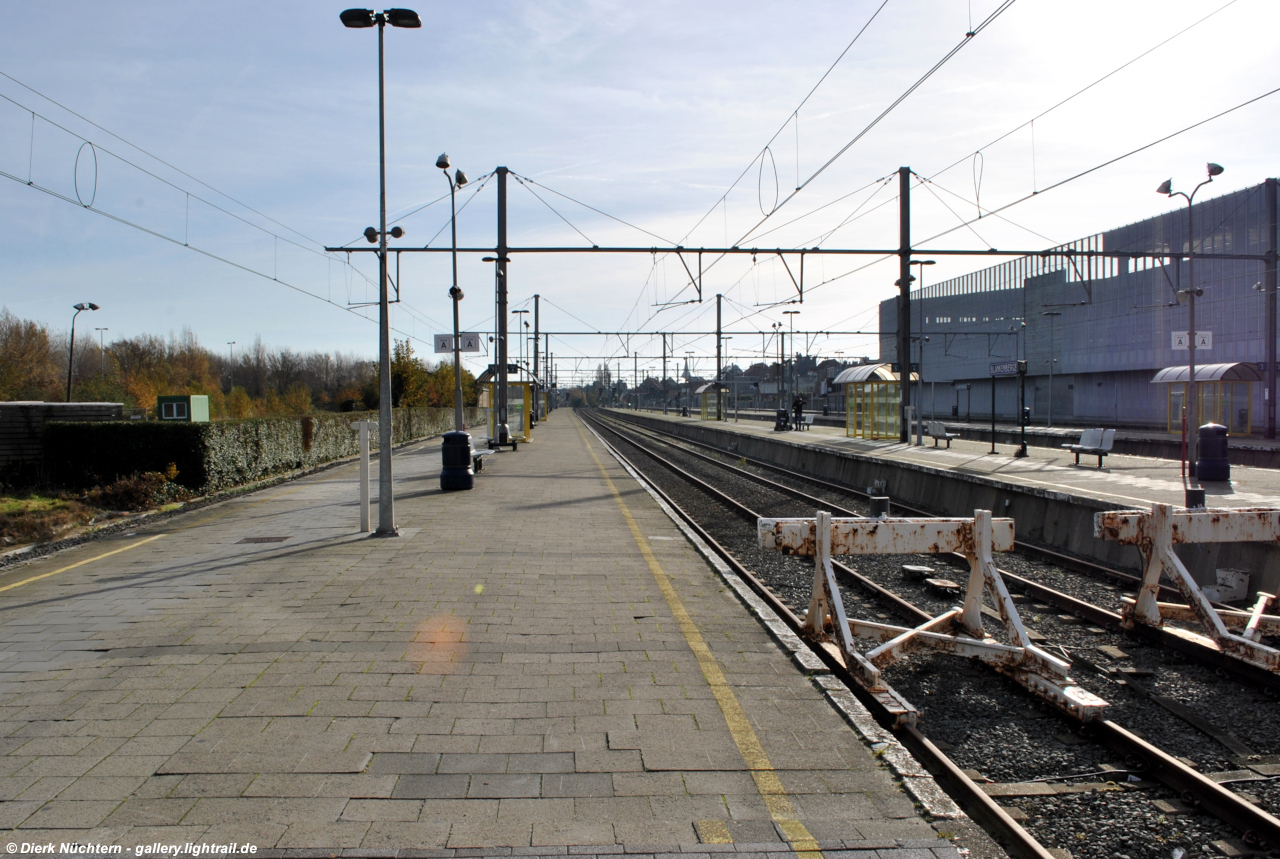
{"points": [[541, 666]]}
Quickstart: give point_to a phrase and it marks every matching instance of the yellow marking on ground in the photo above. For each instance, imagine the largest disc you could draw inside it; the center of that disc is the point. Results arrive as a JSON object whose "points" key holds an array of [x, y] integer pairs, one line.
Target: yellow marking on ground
{"points": [[749, 745], [80, 563]]}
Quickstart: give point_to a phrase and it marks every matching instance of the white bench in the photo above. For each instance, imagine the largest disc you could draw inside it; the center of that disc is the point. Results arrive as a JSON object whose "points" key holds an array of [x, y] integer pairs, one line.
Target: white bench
{"points": [[806, 422], [1093, 442], [477, 458], [937, 430]]}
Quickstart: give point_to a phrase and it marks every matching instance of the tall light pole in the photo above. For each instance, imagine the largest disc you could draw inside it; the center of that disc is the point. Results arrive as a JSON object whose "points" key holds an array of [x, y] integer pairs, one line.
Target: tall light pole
{"points": [[777, 332], [791, 365], [1053, 315], [923, 340], [688, 383], [361, 19], [71, 351], [520, 317], [1189, 294], [231, 361], [102, 350], [455, 182]]}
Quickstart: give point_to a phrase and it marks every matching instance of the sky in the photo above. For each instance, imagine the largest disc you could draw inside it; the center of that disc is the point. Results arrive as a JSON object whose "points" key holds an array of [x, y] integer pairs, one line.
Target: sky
{"points": [[185, 165]]}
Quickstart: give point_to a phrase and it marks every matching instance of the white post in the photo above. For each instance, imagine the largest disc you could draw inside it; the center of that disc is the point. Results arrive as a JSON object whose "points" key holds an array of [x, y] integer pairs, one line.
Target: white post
{"points": [[363, 427]]}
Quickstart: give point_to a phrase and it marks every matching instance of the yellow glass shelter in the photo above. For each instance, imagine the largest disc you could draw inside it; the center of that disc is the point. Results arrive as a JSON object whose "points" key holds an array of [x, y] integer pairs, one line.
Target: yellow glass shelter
{"points": [[873, 396], [709, 398], [1224, 391], [519, 409]]}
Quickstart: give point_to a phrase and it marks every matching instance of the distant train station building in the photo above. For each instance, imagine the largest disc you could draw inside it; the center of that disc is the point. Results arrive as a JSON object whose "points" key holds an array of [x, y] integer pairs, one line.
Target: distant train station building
{"points": [[1096, 331]]}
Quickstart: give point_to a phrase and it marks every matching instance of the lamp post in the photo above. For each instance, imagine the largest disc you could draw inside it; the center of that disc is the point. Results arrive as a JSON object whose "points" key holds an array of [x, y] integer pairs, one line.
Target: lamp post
{"points": [[71, 351], [520, 354], [231, 361], [1189, 295], [923, 340], [689, 384], [455, 182], [1052, 314], [789, 368], [102, 351], [361, 19], [777, 332]]}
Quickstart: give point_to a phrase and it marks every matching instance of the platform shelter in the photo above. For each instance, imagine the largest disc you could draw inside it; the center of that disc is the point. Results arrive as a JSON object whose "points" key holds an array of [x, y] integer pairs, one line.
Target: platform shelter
{"points": [[873, 393], [1224, 391]]}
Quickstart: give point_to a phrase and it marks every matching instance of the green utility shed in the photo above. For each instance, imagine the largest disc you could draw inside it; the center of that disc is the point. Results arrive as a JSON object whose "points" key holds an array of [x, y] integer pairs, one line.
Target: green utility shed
{"points": [[190, 408]]}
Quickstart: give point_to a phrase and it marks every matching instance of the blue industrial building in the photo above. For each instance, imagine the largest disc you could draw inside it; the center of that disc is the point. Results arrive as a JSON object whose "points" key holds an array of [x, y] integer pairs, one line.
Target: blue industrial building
{"points": [[1095, 330]]}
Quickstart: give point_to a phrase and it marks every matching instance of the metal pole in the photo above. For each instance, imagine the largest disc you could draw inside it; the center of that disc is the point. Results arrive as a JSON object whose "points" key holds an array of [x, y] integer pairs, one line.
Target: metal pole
{"points": [[364, 475], [537, 367], [993, 414], [719, 360], [664, 373], [1193, 429], [386, 496], [459, 421], [1270, 286], [71, 353], [904, 303], [501, 424], [102, 351]]}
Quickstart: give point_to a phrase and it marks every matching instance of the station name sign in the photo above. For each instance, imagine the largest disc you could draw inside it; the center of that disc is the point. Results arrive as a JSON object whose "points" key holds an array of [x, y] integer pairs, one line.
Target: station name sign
{"points": [[1008, 368]]}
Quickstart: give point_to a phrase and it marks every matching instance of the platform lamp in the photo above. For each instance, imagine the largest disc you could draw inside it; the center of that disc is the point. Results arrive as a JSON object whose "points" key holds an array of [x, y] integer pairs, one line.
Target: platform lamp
{"points": [[1189, 296], [359, 19], [923, 340], [791, 376], [102, 350], [455, 182], [71, 351]]}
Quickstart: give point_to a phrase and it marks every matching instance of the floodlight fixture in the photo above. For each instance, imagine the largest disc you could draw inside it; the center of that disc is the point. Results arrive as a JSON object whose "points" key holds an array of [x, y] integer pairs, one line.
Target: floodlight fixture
{"points": [[403, 18], [397, 232], [1166, 188], [1215, 169], [357, 18], [460, 178], [371, 233], [443, 161]]}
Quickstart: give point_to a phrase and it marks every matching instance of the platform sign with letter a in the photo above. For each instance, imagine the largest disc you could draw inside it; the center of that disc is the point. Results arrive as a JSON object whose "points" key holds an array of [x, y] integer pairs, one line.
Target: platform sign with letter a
{"points": [[467, 342], [1181, 341]]}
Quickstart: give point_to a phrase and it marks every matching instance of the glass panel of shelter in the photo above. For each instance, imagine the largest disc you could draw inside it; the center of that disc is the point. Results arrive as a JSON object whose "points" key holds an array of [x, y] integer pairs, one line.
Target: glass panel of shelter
{"points": [[1226, 403]]}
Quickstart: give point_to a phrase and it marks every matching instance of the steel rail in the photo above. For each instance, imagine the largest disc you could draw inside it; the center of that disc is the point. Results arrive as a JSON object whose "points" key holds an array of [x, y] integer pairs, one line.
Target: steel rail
{"points": [[1161, 637], [980, 807], [903, 606], [1258, 827]]}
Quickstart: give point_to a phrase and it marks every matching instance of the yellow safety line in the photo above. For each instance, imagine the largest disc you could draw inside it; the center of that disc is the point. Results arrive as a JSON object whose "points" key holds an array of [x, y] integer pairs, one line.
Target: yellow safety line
{"points": [[766, 778], [80, 563]]}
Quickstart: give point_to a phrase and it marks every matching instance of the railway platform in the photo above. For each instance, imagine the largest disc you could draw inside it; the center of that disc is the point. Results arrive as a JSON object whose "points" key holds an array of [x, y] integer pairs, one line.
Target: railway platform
{"points": [[544, 665], [1123, 479]]}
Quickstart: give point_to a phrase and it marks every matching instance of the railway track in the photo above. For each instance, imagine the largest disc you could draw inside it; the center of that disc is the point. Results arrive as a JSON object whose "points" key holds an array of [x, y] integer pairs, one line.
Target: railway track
{"points": [[1031, 758]]}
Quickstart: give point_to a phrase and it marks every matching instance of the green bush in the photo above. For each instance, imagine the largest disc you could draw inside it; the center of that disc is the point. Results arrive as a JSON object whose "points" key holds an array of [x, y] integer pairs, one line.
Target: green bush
{"points": [[222, 454]]}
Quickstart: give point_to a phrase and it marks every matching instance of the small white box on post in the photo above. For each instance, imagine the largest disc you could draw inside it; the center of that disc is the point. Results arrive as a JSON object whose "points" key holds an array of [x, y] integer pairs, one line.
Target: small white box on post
{"points": [[364, 427]]}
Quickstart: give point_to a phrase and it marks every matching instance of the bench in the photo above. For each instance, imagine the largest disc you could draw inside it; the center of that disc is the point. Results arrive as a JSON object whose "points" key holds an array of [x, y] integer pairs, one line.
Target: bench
{"points": [[477, 458], [937, 431], [1093, 442], [807, 422]]}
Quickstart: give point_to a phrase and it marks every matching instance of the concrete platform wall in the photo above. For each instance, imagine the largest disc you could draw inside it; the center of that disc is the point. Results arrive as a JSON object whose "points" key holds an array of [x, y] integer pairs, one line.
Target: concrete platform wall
{"points": [[1055, 519]]}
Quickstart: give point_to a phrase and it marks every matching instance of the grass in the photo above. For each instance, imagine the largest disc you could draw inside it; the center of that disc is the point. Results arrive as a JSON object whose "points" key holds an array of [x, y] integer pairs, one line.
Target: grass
{"points": [[34, 518]]}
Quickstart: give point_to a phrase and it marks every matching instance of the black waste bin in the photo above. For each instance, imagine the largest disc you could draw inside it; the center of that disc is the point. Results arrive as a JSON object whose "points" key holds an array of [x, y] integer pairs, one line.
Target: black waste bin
{"points": [[781, 421], [456, 456], [1212, 463]]}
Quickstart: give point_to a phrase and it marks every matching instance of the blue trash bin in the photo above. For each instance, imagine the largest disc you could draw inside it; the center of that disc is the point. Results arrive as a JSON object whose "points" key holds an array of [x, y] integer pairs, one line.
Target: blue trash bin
{"points": [[1212, 463]]}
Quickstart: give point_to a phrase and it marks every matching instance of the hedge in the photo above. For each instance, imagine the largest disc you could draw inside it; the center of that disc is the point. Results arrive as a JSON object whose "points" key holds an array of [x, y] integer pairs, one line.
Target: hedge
{"points": [[219, 455]]}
